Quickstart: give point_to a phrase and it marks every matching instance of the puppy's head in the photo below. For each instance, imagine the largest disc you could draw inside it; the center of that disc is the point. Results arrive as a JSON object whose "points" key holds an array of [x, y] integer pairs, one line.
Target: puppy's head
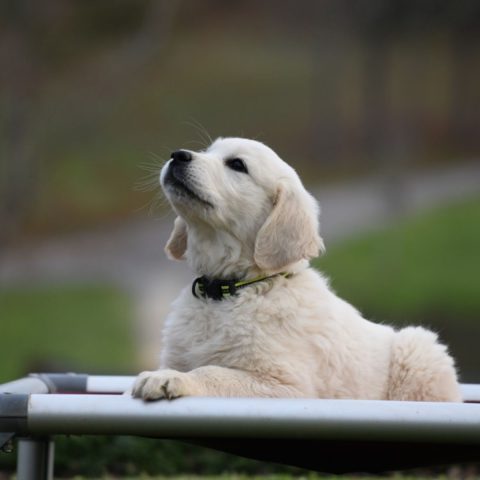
{"points": [[243, 189]]}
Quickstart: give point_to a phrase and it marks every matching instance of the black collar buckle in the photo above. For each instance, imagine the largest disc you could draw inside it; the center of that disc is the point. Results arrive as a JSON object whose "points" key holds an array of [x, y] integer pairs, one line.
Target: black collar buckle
{"points": [[216, 289]]}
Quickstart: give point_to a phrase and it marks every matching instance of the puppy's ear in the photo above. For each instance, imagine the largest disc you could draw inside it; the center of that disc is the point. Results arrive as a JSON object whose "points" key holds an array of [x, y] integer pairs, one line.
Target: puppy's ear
{"points": [[177, 243], [290, 233]]}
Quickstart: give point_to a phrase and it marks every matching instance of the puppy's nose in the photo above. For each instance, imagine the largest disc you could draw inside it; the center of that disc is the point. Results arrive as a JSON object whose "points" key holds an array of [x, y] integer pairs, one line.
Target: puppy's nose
{"points": [[182, 156]]}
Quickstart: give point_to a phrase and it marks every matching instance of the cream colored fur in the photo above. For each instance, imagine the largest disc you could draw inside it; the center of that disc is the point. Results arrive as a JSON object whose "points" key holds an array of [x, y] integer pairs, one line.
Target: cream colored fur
{"points": [[284, 337]]}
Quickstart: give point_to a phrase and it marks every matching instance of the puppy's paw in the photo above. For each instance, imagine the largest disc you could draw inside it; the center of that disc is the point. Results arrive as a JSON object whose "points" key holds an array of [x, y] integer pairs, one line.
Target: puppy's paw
{"points": [[167, 384]]}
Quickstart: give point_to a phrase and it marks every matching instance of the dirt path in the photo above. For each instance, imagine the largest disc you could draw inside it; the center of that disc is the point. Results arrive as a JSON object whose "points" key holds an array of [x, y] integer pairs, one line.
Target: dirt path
{"points": [[131, 256]]}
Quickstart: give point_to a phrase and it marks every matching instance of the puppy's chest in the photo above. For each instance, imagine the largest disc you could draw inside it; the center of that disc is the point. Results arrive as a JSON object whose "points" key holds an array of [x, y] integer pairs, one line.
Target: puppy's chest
{"points": [[226, 333]]}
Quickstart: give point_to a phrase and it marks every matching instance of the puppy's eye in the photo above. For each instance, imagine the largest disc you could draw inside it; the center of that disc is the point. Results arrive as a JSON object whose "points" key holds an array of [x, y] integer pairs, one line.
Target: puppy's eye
{"points": [[236, 164]]}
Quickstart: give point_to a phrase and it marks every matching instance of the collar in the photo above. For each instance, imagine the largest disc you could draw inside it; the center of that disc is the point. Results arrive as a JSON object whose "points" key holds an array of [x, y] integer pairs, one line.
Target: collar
{"points": [[219, 289]]}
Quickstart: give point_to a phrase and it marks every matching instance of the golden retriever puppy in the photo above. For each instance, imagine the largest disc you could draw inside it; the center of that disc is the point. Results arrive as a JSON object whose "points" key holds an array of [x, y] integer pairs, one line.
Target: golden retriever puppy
{"points": [[258, 321]]}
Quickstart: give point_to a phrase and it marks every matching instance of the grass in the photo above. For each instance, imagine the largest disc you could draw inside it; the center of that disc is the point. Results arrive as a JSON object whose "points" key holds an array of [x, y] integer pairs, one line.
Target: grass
{"points": [[76, 328], [424, 265]]}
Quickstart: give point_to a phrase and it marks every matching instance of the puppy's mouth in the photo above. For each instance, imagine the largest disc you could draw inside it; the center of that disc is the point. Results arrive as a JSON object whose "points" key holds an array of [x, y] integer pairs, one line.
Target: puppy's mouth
{"points": [[175, 180]]}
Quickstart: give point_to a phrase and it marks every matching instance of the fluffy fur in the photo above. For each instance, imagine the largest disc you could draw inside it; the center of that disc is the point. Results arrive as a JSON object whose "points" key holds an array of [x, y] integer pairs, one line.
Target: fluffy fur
{"points": [[284, 337]]}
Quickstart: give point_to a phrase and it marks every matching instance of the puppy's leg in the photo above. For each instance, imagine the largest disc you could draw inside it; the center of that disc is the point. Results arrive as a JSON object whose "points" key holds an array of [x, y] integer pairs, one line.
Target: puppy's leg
{"points": [[421, 368], [209, 381]]}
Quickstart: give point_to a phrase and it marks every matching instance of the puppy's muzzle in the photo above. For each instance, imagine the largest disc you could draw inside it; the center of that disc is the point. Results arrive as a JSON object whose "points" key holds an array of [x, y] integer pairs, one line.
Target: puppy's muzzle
{"points": [[178, 177], [177, 168]]}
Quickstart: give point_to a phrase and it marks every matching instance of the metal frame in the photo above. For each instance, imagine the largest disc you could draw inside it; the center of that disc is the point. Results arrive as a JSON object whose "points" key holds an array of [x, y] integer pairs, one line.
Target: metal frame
{"points": [[36, 408], [35, 458]]}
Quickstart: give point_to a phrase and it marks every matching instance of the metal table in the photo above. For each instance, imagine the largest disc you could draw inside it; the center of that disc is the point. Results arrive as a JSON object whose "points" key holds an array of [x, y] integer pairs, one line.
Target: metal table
{"points": [[334, 436]]}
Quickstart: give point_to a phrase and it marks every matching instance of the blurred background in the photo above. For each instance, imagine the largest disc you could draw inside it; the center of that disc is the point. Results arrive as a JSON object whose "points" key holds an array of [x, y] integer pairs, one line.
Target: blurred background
{"points": [[375, 103]]}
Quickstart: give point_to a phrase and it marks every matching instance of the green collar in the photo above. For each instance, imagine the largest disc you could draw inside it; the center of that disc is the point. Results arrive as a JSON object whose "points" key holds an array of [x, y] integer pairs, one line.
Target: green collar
{"points": [[218, 289]]}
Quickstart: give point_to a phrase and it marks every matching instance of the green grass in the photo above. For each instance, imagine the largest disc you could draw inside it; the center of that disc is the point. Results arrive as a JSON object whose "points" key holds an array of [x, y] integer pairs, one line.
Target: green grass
{"points": [[70, 328], [426, 265]]}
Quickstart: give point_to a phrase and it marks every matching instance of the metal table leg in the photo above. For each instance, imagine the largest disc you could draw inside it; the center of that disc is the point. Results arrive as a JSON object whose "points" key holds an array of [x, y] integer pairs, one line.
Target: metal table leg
{"points": [[35, 459]]}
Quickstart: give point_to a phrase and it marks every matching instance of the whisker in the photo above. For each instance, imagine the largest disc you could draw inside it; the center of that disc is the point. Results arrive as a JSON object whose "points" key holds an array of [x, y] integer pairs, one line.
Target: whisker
{"points": [[155, 157], [201, 131], [155, 204], [150, 166], [149, 182], [196, 142]]}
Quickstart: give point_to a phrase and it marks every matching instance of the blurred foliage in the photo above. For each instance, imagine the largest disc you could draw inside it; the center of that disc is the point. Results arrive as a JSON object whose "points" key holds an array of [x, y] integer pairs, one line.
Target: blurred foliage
{"points": [[136, 456], [133, 456], [127, 457], [82, 329], [421, 270], [81, 27], [335, 86]]}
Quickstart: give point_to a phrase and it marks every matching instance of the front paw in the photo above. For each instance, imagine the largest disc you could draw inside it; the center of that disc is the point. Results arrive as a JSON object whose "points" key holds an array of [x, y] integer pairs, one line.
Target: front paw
{"points": [[167, 384]]}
